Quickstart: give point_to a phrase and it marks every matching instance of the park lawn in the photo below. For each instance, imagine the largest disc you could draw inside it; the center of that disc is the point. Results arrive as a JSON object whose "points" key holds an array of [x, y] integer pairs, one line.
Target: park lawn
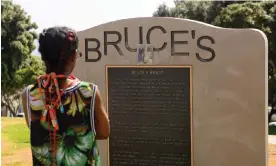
{"points": [[16, 133], [16, 148], [15, 140]]}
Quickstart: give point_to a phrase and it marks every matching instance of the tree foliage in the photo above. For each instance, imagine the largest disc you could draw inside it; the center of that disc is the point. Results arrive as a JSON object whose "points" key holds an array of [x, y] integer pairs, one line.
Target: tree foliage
{"points": [[17, 42], [25, 75], [28, 72], [18, 67], [233, 14], [204, 11]]}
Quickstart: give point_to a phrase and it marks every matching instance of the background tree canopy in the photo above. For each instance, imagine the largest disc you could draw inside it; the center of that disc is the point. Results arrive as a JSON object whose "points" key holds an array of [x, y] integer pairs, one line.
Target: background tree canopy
{"points": [[233, 14], [18, 67]]}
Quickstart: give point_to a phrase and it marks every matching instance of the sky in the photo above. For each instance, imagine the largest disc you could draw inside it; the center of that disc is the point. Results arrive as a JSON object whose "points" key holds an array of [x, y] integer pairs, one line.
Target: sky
{"points": [[84, 14]]}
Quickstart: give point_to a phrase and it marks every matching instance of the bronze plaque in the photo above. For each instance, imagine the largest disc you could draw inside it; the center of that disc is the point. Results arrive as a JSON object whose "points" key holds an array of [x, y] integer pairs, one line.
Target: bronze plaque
{"points": [[150, 111]]}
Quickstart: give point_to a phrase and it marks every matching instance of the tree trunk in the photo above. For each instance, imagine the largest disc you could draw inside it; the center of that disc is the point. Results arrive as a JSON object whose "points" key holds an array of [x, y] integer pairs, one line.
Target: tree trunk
{"points": [[8, 103], [9, 109]]}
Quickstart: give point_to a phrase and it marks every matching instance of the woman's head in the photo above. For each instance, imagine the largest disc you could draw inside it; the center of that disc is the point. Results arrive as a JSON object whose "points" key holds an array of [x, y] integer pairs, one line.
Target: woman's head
{"points": [[58, 48]]}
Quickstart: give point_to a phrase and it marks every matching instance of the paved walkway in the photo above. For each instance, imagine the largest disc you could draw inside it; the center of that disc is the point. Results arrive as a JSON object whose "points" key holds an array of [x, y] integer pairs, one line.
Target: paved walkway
{"points": [[272, 139], [272, 150]]}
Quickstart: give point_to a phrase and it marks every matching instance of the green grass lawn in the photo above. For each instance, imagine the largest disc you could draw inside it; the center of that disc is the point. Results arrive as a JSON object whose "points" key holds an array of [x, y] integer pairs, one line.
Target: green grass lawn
{"points": [[15, 134]]}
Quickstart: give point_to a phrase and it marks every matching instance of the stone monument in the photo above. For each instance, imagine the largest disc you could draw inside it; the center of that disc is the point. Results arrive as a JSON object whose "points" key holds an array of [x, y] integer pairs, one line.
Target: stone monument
{"points": [[179, 92]]}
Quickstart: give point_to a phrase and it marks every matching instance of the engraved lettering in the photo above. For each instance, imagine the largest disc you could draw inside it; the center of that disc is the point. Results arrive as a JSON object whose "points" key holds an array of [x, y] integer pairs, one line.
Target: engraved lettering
{"points": [[96, 49], [173, 43], [126, 39], [141, 35], [150, 112], [206, 48], [148, 37], [114, 43]]}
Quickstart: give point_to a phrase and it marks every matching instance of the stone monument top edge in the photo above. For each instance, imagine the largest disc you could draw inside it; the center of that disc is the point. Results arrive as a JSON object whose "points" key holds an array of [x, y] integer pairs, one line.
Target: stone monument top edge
{"points": [[151, 19]]}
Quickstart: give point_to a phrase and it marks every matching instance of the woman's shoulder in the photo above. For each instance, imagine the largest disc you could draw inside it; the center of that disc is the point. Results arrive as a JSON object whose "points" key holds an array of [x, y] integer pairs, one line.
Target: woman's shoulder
{"points": [[31, 95], [79, 83], [87, 89], [85, 84], [31, 89]]}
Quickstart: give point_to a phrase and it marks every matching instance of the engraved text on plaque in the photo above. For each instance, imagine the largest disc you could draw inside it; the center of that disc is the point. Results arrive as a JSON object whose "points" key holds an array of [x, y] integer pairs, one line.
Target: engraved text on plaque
{"points": [[150, 116]]}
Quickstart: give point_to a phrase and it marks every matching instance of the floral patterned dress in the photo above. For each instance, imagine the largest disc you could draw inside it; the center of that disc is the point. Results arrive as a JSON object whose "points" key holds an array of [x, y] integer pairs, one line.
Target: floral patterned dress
{"points": [[76, 142]]}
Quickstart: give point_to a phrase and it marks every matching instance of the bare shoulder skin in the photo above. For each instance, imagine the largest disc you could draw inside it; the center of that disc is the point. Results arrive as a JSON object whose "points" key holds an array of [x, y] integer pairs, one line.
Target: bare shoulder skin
{"points": [[24, 106], [101, 118]]}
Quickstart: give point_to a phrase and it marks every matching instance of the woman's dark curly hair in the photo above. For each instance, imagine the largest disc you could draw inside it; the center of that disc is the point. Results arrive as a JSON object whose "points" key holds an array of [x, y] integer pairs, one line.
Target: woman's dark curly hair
{"points": [[56, 44]]}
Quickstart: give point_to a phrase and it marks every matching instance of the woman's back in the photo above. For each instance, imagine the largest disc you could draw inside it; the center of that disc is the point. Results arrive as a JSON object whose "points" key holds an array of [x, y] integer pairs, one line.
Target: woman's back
{"points": [[64, 116]]}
